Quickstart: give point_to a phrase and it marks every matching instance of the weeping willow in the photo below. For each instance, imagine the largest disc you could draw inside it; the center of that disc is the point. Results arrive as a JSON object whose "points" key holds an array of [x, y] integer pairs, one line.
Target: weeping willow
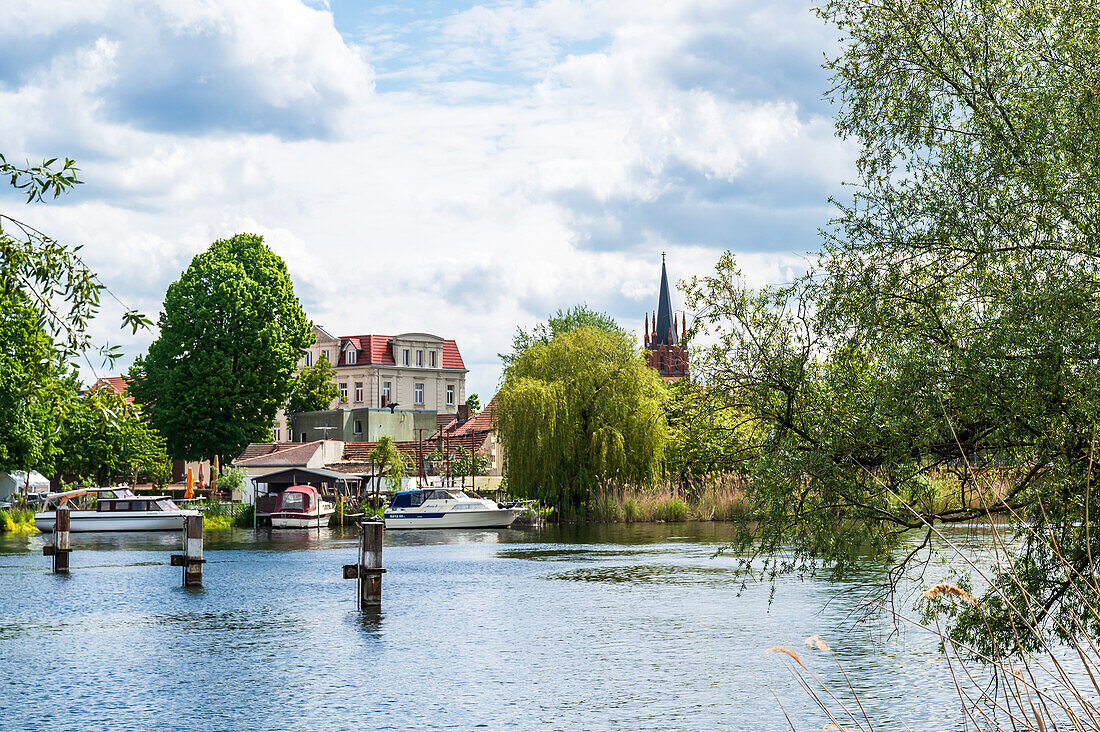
{"points": [[578, 415]]}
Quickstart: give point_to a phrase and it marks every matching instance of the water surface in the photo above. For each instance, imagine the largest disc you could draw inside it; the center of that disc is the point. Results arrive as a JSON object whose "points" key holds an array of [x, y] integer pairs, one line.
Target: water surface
{"points": [[625, 627]]}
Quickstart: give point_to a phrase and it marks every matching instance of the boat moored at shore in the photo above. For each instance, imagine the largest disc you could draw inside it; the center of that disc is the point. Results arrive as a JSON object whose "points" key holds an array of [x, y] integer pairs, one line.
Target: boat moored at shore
{"points": [[437, 508], [117, 509], [301, 507]]}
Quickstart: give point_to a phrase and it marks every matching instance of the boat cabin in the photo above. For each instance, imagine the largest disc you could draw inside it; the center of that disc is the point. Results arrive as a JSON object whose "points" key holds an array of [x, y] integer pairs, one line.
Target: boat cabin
{"points": [[298, 499], [414, 498]]}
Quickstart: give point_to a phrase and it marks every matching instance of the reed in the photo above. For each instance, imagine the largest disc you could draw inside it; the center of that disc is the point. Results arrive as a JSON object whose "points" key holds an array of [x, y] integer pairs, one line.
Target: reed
{"points": [[719, 501]]}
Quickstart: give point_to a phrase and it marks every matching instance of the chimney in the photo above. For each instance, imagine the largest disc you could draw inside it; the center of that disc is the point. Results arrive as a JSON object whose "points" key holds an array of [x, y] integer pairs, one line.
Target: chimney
{"points": [[463, 412]]}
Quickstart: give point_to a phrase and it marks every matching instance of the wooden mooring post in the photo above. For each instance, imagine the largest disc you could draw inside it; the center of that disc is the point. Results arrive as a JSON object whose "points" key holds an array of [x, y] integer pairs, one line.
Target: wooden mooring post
{"points": [[369, 569], [191, 560], [60, 548]]}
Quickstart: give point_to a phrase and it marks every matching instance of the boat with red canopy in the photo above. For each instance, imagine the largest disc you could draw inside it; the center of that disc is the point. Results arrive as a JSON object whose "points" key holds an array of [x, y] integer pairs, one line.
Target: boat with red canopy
{"points": [[301, 507]]}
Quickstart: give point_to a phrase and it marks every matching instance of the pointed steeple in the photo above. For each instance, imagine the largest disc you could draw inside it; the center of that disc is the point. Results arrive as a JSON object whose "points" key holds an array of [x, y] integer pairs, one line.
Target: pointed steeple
{"points": [[665, 335]]}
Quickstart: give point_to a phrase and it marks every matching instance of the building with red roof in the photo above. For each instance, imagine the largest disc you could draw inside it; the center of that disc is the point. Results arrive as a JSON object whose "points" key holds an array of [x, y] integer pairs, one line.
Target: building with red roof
{"points": [[420, 372], [117, 384]]}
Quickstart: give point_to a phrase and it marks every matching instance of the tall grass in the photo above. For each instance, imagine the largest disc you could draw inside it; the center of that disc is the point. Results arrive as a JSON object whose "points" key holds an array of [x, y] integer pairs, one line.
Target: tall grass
{"points": [[17, 521], [722, 501], [222, 515]]}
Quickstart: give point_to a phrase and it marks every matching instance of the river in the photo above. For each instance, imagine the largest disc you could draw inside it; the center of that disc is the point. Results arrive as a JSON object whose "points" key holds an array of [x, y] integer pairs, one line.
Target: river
{"points": [[610, 627]]}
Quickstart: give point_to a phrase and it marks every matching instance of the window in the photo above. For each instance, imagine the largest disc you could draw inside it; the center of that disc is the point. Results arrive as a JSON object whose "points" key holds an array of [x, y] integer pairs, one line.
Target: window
{"points": [[303, 437], [405, 357], [419, 358], [324, 354], [309, 358], [386, 390], [344, 392], [418, 393], [358, 391], [350, 356], [450, 395], [431, 359], [358, 427], [276, 434]]}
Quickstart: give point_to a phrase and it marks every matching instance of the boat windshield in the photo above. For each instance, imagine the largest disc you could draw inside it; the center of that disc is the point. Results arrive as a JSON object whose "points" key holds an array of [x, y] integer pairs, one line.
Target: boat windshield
{"points": [[166, 504], [293, 502]]}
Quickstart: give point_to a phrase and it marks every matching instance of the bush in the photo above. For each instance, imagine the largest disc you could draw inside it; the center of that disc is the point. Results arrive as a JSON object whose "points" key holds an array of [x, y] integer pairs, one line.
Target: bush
{"points": [[17, 521]]}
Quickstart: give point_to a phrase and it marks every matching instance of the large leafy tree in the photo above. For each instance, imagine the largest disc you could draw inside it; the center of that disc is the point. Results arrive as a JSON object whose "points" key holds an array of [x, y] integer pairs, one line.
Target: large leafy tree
{"points": [[952, 320], [313, 388], [231, 334], [579, 414]]}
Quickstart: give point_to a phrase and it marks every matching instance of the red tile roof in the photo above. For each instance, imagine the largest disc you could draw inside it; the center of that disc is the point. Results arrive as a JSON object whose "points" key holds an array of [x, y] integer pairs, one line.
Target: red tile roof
{"points": [[359, 452], [377, 350], [472, 433], [117, 384], [258, 449], [292, 455]]}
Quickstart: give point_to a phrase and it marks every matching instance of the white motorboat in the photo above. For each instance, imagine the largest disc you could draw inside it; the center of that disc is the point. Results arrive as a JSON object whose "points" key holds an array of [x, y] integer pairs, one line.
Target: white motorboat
{"points": [[436, 508], [117, 509], [301, 507]]}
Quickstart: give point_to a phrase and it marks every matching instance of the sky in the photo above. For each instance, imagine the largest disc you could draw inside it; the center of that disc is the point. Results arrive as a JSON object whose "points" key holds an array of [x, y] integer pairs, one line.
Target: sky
{"points": [[445, 167]]}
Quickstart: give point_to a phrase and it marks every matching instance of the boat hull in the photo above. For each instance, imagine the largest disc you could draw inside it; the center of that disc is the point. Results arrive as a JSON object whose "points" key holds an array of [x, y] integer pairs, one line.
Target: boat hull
{"points": [[289, 520], [84, 521], [499, 518]]}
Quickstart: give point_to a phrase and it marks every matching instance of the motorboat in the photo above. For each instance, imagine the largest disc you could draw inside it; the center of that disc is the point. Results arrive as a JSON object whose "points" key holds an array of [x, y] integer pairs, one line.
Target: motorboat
{"points": [[116, 509], [301, 507], [437, 508]]}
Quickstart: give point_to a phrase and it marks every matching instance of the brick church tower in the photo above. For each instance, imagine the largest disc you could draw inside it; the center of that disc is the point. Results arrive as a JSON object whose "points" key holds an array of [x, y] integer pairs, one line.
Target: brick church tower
{"points": [[664, 336]]}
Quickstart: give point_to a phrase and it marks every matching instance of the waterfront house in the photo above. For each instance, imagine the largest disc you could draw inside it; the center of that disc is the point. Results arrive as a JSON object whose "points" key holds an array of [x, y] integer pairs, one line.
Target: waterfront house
{"points": [[419, 372]]}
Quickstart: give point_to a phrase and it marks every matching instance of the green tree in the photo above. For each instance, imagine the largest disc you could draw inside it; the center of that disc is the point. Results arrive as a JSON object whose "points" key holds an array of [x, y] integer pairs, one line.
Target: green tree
{"points": [[313, 389], [562, 322], [105, 439], [466, 463], [579, 414], [390, 462], [952, 319], [474, 403], [48, 296], [231, 334]]}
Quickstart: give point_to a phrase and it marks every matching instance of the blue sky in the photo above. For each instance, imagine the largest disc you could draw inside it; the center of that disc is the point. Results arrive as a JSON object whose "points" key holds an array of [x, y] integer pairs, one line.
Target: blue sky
{"points": [[457, 168]]}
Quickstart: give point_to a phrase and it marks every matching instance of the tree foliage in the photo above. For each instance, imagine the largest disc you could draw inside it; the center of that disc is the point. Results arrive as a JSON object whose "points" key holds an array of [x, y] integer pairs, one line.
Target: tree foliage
{"points": [[107, 440], [474, 403], [952, 319], [48, 296], [313, 389], [391, 462], [580, 413], [562, 322], [466, 463], [231, 334]]}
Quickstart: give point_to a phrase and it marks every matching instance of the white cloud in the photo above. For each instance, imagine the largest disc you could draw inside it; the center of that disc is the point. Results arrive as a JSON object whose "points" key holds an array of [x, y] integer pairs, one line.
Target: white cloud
{"points": [[456, 204]]}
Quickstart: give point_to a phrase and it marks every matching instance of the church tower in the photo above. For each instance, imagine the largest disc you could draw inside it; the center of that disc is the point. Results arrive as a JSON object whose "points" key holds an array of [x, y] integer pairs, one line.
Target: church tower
{"points": [[664, 335]]}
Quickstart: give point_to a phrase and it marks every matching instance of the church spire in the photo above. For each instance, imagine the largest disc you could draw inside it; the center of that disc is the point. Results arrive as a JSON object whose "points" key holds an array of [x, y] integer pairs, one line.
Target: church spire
{"points": [[665, 335]]}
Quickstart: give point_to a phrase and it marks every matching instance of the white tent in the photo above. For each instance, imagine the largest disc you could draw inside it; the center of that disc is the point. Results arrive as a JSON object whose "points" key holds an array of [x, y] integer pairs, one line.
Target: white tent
{"points": [[13, 482]]}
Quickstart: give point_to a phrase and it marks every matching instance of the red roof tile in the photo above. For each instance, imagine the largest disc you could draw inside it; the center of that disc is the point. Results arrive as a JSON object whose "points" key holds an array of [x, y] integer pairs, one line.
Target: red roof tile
{"points": [[256, 449], [378, 350], [295, 454], [360, 451]]}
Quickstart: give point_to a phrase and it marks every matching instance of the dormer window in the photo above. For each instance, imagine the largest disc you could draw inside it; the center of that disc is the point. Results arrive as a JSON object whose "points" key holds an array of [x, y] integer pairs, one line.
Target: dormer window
{"points": [[350, 356], [405, 357], [431, 359], [419, 358]]}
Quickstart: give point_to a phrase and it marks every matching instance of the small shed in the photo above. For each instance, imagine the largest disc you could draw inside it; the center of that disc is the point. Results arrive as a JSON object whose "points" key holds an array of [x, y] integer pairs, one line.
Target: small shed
{"points": [[329, 483], [12, 483]]}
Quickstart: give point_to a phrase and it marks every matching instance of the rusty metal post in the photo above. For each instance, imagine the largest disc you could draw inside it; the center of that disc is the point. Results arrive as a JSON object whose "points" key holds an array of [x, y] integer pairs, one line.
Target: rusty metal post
{"points": [[369, 569], [61, 547], [191, 560]]}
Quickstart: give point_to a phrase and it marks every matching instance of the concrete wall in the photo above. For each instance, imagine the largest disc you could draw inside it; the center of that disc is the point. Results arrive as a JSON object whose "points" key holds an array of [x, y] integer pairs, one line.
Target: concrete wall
{"points": [[401, 424]]}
